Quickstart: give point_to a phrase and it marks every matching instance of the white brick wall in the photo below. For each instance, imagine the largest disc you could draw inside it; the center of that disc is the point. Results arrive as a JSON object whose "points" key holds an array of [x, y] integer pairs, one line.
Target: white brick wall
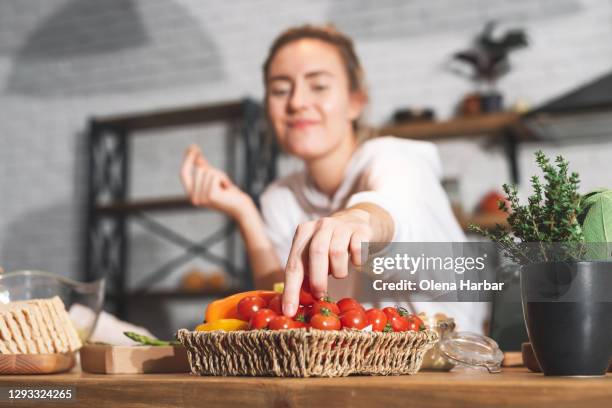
{"points": [[62, 61]]}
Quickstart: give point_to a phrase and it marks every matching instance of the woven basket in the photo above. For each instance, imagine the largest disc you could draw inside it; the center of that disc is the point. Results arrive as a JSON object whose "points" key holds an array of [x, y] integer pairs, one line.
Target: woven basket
{"points": [[305, 352]]}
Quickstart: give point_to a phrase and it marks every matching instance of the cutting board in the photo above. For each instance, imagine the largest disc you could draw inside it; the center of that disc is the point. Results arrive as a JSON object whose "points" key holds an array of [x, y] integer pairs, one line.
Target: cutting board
{"points": [[36, 363], [106, 359]]}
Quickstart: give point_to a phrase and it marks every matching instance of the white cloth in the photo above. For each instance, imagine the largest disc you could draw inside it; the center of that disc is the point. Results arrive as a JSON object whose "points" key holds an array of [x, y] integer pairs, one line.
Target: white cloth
{"points": [[402, 177], [109, 329]]}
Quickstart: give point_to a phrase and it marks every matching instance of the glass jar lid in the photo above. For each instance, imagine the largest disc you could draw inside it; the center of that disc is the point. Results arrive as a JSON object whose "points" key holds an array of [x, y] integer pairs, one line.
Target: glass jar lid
{"points": [[472, 350]]}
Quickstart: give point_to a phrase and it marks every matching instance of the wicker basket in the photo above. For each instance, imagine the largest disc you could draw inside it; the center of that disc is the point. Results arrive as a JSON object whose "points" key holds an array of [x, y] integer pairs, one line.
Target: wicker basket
{"points": [[305, 352]]}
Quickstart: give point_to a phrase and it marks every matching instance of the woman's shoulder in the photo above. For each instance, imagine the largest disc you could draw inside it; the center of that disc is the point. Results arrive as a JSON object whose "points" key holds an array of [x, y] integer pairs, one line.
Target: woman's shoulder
{"points": [[396, 145], [389, 150]]}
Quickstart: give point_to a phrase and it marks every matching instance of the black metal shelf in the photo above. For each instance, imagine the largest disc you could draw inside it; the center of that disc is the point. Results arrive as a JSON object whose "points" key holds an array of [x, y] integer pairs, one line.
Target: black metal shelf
{"points": [[109, 209]]}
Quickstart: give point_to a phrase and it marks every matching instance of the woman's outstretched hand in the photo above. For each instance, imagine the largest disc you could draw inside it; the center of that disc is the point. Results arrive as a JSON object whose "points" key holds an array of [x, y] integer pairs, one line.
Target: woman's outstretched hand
{"points": [[209, 187], [325, 247]]}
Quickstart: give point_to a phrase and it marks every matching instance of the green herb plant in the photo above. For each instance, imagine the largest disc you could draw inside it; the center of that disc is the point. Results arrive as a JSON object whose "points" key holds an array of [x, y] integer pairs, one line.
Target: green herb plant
{"points": [[549, 216]]}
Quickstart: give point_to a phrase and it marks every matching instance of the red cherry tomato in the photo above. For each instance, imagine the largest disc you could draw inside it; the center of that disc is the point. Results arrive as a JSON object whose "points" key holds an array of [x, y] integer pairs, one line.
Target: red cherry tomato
{"points": [[391, 311], [319, 304], [261, 318], [303, 314], [306, 298], [354, 319], [282, 322], [276, 304], [398, 324], [377, 319], [414, 323], [325, 320], [249, 305], [347, 304], [299, 324]]}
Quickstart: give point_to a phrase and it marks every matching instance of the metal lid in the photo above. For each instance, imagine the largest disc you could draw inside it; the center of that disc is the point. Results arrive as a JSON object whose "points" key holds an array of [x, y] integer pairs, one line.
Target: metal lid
{"points": [[472, 350]]}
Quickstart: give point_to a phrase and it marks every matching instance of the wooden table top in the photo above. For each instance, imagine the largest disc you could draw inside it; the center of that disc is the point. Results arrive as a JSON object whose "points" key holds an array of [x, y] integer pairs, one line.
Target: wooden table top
{"points": [[513, 387]]}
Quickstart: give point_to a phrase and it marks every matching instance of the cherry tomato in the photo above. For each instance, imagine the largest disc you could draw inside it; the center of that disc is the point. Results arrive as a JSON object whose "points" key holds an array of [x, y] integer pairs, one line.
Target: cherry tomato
{"points": [[398, 323], [391, 311], [299, 324], [306, 298], [276, 304], [249, 305], [303, 315], [319, 304], [377, 318], [347, 304], [325, 320], [414, 323], [282, 322], [354, 319], [261, 318]]}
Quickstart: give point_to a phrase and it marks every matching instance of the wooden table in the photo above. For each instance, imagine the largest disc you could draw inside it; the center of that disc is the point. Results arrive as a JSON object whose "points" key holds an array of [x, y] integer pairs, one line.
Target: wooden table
{"points": [[513, 387]]}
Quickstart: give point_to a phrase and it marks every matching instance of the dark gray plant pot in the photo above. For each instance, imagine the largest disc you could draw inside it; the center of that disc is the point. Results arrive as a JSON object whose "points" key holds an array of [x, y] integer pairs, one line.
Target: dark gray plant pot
{"points": [[568, 314]]}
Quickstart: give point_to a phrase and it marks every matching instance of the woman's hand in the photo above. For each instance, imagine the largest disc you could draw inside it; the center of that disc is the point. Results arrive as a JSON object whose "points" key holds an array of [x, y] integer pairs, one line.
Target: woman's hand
{"points": [[209, 187], [325, 247]]}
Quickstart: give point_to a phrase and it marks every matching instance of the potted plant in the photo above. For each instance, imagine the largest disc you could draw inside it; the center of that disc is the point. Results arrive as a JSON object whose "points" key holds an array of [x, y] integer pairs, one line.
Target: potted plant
{"points": [[561, 240]]}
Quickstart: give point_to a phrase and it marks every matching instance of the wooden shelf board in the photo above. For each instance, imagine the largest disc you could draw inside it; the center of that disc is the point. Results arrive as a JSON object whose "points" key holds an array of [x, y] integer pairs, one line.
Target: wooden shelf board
{"points": [[174, 117], [490, 124], [150, 204]]}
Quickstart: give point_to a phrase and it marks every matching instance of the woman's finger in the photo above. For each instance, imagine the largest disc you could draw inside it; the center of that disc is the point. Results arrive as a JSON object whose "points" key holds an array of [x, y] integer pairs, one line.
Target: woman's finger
{"points": [[196, 195], [207, 185], [339, 252], [318, 260], [355, 248], [294, 271], [187, 169]]}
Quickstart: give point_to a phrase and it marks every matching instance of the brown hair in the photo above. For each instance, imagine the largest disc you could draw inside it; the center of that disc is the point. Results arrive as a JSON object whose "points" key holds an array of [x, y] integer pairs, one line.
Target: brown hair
{"points": [[329, 35]]}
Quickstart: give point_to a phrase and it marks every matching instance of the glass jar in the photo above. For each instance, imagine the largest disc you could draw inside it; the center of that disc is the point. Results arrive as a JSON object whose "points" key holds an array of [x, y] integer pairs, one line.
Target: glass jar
{"points": [[433, 359]]}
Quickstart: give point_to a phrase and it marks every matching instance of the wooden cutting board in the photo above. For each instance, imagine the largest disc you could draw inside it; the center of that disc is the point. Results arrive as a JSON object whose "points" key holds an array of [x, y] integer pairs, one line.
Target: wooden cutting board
{"points": [[35, 363], [106, 359]]}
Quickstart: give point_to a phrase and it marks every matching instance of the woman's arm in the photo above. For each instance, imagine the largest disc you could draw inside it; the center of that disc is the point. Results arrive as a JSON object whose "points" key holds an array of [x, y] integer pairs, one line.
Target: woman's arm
{"points": [[263, 259], [325, 245], [209, 187]]}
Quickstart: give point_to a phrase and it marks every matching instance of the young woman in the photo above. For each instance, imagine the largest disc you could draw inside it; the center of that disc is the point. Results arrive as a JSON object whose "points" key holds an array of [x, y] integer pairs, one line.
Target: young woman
{"points": [[313, 222]]}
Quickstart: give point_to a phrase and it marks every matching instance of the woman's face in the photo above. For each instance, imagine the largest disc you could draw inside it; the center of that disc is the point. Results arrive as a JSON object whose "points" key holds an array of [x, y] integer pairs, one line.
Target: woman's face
{"points": [[308, 99]]}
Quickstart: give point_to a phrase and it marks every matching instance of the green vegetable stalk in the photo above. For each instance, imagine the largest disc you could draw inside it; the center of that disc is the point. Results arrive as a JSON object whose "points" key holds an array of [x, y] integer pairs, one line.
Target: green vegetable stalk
{"points": [[149, 341]]}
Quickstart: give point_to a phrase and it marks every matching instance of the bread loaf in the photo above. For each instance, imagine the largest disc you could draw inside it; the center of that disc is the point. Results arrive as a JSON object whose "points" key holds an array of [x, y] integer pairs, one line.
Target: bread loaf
{"points": [[37, 326]]}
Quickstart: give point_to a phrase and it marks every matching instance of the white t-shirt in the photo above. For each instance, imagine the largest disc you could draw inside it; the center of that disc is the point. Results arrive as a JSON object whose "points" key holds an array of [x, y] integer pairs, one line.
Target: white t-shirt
{"points": [[401, 176]]}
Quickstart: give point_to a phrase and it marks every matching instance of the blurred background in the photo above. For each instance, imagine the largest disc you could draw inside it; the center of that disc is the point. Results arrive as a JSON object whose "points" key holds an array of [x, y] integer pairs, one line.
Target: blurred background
{"points": [[99, 100]]}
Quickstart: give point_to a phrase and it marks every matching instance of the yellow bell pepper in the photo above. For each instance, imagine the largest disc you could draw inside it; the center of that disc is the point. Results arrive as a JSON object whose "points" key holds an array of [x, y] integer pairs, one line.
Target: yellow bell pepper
{"points": [[279, 287], [223, 324]]}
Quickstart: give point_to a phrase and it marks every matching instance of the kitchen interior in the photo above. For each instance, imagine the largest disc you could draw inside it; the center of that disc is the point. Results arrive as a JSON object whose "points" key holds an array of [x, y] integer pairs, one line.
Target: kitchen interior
{"points": [[100, 100]]}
